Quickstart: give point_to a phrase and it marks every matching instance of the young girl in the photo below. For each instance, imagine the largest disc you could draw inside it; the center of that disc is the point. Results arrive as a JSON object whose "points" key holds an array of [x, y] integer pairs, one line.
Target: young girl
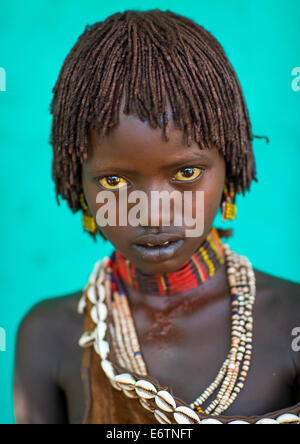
{"points": [[171, 328]]}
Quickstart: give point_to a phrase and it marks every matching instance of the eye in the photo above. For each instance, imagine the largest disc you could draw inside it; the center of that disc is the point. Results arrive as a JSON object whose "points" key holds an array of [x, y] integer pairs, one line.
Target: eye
{"points": [[188, 174], [112, 182]]}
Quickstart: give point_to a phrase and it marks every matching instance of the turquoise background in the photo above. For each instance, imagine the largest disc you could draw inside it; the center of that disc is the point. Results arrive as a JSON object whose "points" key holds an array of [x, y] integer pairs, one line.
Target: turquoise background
{"points": [[45, 252]]}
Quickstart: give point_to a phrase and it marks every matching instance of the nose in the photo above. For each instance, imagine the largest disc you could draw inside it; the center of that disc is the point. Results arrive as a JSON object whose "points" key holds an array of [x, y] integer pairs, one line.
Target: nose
{"points": [[159, 207]]}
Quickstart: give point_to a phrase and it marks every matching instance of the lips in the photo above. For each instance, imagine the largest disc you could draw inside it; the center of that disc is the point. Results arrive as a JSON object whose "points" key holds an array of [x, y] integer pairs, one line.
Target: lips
{"points": [[157, 240], [157, 248]]}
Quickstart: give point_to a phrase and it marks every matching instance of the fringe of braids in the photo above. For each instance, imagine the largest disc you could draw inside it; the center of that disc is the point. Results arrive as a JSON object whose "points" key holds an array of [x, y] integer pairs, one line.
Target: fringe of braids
{"points": [[151, 57]]}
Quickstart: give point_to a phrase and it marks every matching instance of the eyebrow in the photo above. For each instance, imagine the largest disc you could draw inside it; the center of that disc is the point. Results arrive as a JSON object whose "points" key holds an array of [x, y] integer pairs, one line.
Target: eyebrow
{"points": [[200, 157]]}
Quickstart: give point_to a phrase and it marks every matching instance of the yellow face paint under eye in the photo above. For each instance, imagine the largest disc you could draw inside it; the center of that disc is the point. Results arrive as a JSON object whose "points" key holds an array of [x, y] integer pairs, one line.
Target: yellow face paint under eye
{"points": [[195, 172], [112, 184]]}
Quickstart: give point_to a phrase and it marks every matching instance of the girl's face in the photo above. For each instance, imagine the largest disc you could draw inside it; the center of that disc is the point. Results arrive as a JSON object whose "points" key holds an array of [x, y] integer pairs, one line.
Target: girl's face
{"points": [[134, 154]]}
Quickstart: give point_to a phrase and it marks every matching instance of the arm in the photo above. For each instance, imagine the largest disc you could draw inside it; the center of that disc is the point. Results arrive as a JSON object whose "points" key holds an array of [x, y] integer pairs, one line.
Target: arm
{"points": [[37, 399]]}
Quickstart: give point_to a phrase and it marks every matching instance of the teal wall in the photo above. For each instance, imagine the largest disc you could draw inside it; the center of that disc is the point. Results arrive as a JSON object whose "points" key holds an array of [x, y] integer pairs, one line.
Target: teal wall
{"points": [[44, 250]]}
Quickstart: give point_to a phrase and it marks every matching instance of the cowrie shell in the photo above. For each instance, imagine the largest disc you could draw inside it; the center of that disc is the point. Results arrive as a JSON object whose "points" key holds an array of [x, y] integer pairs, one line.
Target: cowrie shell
{"points": [[94, 274], [125, 381], [145, 389], [103, 348], [99, 312], [108, 368], [100, 330], [185, 415], [210, 421], [130, 393], [238, 421], [146, 405], [101, 276], [267, 421], [115, 385], [86, 339], [287, 418], [96, 348], [165, 401], [102, 311], [81, 304], [94, 315], [92, 294], [101, 292], [161, 417]]}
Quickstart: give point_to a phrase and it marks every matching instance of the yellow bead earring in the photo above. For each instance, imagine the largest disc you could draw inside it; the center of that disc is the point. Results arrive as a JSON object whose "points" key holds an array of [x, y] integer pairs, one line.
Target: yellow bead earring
{"points": [[229, 208], [89, 223]]}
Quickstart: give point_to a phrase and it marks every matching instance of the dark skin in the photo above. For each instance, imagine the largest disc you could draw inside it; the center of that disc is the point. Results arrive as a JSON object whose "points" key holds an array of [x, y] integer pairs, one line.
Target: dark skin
{"points": [[184, 338]]}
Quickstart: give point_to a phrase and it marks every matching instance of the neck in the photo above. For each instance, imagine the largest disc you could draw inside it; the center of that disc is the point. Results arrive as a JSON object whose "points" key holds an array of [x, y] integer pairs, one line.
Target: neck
{"points": [[199, 268]]}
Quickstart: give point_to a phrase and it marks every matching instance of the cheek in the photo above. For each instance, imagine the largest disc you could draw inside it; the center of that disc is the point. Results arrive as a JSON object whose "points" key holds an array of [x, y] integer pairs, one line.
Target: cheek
{"points": [[119, 237], [213, 190], [212, 201], [213, 194]]}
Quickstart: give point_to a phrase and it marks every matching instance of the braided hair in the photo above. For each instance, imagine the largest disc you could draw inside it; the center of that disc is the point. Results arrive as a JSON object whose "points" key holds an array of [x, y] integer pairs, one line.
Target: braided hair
{"points": [[151, 58]]}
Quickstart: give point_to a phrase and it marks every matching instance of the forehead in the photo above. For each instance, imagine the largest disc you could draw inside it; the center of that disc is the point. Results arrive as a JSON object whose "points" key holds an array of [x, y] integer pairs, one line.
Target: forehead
{"points": [[132, 141]]}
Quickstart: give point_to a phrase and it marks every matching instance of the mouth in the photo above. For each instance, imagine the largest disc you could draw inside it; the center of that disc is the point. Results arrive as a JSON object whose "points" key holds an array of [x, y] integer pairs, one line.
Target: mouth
{"points": [[157, 252], [150, 244]]}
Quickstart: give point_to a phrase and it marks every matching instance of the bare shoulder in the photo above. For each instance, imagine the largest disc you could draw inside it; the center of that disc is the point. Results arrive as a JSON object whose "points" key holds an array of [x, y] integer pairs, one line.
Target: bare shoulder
{"points": [[60, 307], [278, 297], [48, 333], [65, 305], [277, 313], [275, 289], [53, 320]]}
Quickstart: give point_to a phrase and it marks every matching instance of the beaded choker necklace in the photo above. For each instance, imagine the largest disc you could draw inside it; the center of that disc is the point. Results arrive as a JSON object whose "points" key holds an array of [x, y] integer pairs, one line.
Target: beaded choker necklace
{"points": [[199, 268]]}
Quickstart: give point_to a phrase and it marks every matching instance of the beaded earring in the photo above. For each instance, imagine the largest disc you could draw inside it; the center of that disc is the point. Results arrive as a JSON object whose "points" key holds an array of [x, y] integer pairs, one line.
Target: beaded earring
{"points": [[89, 223], [228, 206]]}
